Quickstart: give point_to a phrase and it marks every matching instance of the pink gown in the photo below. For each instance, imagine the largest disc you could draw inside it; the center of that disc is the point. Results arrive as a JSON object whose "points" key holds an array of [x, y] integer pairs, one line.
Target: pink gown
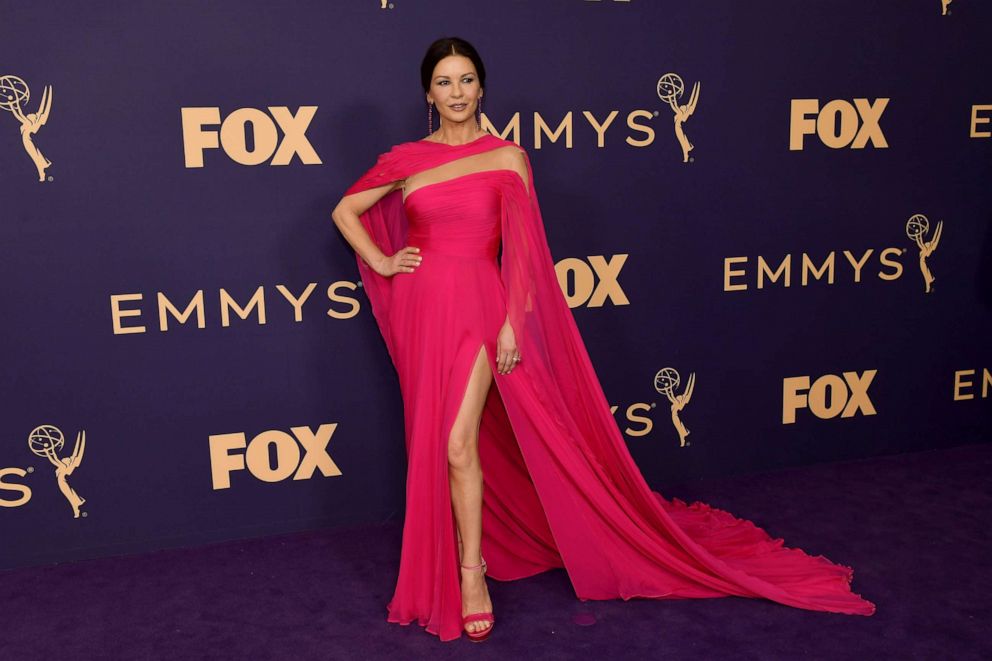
{"points": [[560, 489]]}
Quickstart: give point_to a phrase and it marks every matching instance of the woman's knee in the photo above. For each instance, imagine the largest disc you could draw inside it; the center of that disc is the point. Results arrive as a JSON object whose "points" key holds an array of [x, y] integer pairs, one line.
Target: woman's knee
{"points": [[463, 450]]}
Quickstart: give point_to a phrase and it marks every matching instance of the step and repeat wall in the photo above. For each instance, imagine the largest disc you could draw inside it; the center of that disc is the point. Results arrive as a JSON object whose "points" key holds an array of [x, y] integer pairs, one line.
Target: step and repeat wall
{"points": [[771, 221]]}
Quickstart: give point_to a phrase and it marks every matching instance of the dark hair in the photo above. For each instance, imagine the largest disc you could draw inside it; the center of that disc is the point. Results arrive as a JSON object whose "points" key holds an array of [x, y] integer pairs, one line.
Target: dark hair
{"points": [[441, 49]]}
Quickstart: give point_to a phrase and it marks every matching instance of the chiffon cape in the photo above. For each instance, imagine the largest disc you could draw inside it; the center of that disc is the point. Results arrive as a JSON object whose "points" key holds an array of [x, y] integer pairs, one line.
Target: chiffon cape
{"points": [[582, 503]]}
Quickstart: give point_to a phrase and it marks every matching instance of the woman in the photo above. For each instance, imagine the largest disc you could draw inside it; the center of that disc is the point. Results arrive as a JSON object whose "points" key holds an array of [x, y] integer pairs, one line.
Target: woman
{"points": [[533, 474]]}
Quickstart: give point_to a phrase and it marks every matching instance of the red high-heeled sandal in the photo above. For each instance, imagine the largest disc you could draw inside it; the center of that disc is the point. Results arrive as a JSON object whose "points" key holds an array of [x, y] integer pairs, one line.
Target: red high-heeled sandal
{"points": [[479, 636]]}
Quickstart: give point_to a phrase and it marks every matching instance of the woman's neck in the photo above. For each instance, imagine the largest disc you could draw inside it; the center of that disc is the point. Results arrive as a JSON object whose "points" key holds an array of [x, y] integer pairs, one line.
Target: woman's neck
{"points": [[456, 137]]}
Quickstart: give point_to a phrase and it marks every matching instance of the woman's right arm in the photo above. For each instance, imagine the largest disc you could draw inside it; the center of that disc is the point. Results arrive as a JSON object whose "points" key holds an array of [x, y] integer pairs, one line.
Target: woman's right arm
{"points": [[346, 217]]}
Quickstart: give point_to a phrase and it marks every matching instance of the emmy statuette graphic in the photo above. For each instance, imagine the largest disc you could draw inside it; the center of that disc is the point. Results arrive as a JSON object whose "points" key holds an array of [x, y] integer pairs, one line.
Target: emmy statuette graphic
{"points": [[916, 228], [665, 382], [13, 93], [46, 441], [670, 90]]}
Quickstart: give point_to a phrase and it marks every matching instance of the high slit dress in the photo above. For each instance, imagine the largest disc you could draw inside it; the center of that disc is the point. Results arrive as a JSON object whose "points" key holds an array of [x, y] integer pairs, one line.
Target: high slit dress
{"points": [[560, 489]]}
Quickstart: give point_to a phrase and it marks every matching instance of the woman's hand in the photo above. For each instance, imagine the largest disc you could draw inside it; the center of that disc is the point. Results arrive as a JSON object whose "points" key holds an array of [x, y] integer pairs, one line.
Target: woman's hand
{"points": [[506, 349], [403, 261]]}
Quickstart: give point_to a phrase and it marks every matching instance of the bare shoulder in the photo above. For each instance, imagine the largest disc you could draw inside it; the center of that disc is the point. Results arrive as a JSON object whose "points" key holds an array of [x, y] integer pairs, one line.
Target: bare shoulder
{"points": [[510, 147], [514, 157]]}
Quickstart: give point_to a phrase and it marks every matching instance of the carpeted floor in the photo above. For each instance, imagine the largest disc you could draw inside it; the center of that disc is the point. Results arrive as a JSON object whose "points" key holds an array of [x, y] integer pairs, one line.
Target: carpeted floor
{"points": [[915, 527]]}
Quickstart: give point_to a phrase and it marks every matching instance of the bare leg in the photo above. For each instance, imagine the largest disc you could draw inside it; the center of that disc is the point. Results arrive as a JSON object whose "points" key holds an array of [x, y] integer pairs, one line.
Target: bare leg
{"points": [[465, 477]]}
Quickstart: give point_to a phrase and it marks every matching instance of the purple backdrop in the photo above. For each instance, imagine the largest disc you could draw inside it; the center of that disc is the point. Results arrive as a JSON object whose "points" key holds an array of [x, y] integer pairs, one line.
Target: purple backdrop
{"points": [[889, 102]]}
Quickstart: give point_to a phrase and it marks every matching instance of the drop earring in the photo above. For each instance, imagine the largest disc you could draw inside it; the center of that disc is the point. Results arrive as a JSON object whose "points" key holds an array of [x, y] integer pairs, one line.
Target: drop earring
{"points": [[430, 118], [478, 115]]}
